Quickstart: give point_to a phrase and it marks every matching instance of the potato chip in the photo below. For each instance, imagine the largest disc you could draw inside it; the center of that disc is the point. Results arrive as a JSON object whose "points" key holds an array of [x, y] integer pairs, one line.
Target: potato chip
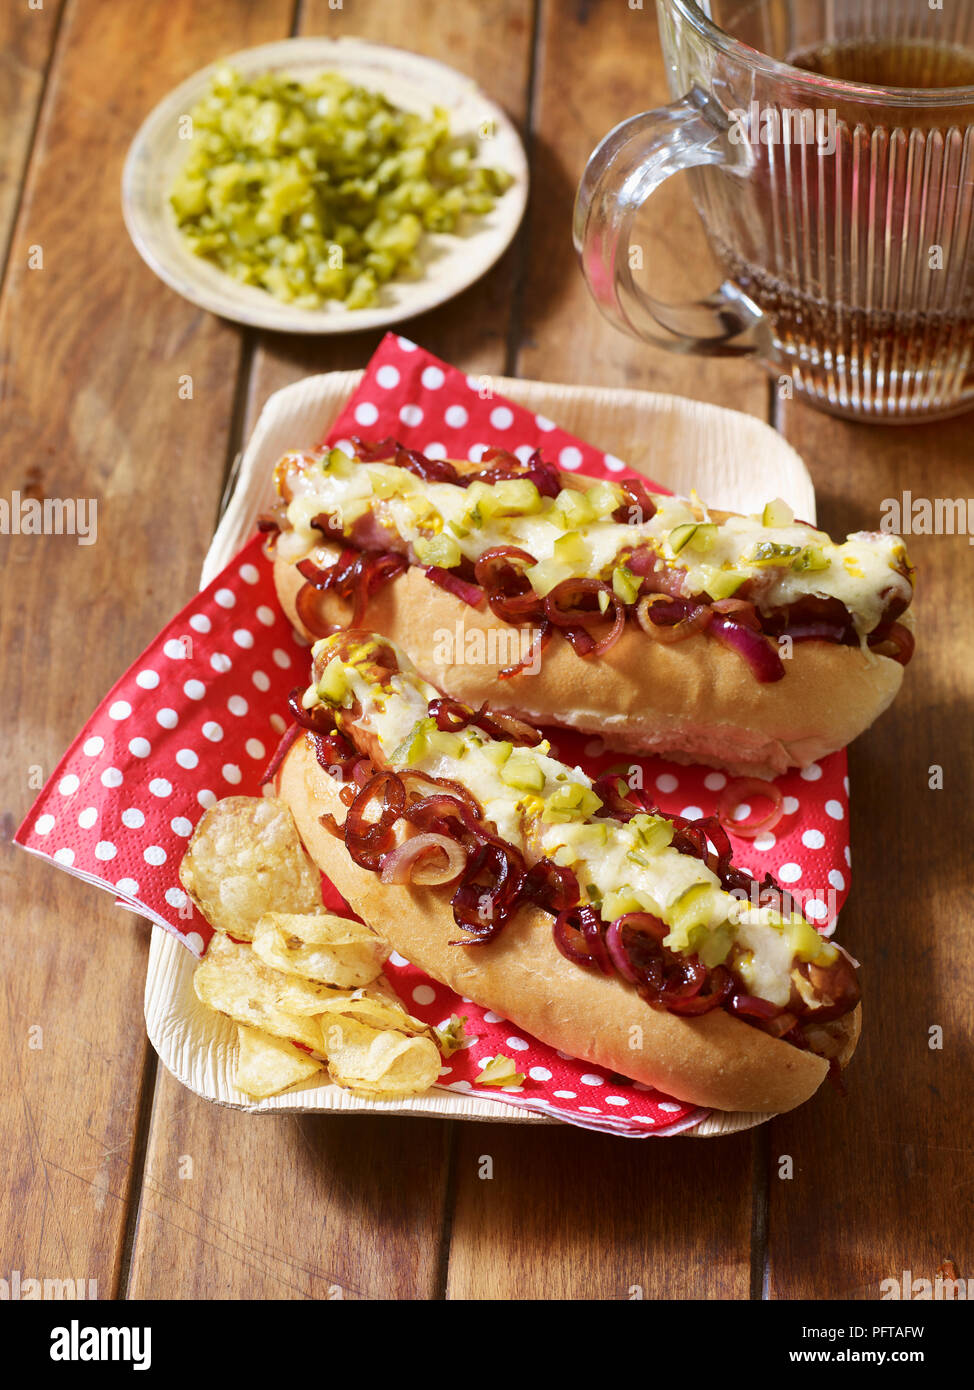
{"points": [[267, 1065], [245, 859], [378, 1006], [379, 1065], [233, 981], [320, 946]]}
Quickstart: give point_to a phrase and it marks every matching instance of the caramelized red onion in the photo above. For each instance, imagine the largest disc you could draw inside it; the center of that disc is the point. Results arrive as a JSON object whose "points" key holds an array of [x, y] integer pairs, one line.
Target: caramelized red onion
{"points": [[490, 890], [671, 619], [639, 501], [444, 814], [737, 792], [763, 893], [761, 1013], [424, 784], [578, 936], [502, 464], [570, 607], [425, 860], [543, 474], [280, 752], [695, 990], [318, 720], [692, 836], [318, 581], [751, 1006], [592, 932], [643, 922], [471, 594], [494, 882], [657, 576], [453, 715], [356, 776], [375, 450], [741, 610], [621, 805], [500, 572], [429, 470], [756, 649], [551, 886], [367, 840], [363, 771], [676, 984], [335, 754], [389, 450], [322, 579], [505, 465], [532, 657], [354, 578]]}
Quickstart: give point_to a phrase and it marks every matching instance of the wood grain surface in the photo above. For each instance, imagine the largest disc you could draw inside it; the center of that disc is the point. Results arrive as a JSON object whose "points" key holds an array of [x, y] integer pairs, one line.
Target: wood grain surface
{"points": [[891, 1164], [114, 1171], [27, 40], [92, 347]]}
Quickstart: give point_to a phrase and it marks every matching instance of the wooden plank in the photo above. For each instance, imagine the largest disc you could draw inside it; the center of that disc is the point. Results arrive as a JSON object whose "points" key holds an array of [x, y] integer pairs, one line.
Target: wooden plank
{"points": [[92, 347], [570, 1214], [270, 1212], [286, 1207], [599, 63], [27, 38], [882, 1179]]}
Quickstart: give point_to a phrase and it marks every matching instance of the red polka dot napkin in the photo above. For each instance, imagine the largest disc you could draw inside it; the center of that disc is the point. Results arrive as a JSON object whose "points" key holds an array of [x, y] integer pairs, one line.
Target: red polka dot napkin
{"points": [[198, 715]]}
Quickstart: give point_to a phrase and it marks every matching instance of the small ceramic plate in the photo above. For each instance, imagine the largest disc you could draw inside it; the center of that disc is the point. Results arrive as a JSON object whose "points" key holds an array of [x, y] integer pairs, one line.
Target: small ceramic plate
{"points": [[409, 80]]}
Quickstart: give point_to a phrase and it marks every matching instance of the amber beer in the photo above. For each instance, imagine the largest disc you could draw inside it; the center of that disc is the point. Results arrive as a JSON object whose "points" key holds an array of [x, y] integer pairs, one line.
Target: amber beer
{"points": [[890, 63]]}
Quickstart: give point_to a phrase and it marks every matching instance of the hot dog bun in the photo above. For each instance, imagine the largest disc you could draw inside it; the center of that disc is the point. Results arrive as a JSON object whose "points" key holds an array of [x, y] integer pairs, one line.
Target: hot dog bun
{"points": [[714, 1060], [691, 701]]}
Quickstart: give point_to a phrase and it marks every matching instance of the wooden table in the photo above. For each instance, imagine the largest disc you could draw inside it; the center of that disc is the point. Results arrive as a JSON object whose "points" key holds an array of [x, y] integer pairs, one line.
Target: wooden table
{"points": [[110, 1170]]}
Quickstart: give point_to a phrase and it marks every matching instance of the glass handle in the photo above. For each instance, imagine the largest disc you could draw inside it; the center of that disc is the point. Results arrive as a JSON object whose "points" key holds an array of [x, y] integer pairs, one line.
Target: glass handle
{"points": [[626, 168]]}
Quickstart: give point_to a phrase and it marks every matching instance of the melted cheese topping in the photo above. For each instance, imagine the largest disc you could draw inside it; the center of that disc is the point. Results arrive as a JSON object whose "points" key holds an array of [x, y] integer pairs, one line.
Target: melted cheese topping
{"points": [[441, 523], [545, 808]]}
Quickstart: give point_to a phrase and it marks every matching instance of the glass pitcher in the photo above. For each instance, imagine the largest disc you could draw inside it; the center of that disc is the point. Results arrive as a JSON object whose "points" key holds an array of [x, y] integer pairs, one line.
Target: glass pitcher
{"points": [[830, 145]]}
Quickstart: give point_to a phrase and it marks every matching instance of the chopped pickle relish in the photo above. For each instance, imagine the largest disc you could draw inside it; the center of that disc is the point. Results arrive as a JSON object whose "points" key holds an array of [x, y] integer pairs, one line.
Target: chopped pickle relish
{"points": [[320, 190]]}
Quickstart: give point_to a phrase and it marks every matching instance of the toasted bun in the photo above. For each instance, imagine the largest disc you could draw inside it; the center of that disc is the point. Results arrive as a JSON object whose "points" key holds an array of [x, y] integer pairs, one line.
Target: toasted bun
{"points": [[692, 701], [714, 1061]]}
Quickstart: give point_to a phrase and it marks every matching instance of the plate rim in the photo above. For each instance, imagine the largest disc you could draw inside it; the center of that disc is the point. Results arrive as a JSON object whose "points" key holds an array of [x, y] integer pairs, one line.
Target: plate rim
{"points": [[279, 317]]}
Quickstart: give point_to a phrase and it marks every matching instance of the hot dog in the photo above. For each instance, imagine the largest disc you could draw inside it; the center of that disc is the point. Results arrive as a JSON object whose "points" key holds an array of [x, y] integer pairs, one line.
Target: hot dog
{"points": [[576, 910], [751, 643]]}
